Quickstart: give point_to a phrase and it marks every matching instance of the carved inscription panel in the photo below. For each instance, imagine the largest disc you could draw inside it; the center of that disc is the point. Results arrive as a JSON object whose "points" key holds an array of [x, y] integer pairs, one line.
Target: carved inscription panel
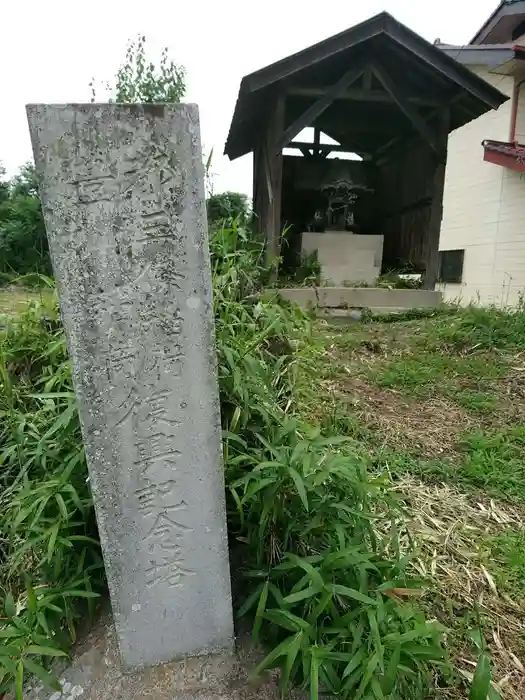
{"points": [[122, 189]]}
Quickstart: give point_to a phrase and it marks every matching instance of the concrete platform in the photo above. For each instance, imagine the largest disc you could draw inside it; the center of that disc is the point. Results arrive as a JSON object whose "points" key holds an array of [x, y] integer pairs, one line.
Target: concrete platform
{"points": [[95, 673], [376, 299]]}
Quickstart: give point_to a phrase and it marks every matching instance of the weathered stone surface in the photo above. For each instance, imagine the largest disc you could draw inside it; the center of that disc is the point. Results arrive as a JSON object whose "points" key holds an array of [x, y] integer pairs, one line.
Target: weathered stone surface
{"points": [[123, 197]]}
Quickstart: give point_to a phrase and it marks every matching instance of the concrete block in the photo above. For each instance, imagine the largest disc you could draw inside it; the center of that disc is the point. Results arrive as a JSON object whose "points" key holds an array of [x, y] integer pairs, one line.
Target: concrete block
{"points": [[362, 298], [345, 257]]}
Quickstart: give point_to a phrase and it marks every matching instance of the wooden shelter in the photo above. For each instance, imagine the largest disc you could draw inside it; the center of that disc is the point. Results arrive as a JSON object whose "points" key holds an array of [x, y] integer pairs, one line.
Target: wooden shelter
{"points": [[382, 92]]}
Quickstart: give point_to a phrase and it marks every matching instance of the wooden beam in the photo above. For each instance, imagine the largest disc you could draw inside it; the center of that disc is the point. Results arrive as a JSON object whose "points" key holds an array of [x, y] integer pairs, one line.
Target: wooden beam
{"points": [[326, 148], [351, 143], [452, 70], [404, 105], [379, 154], [373, 125], [361, 95], [436, 212], [434, 228], [319, 147], [319, 107]]}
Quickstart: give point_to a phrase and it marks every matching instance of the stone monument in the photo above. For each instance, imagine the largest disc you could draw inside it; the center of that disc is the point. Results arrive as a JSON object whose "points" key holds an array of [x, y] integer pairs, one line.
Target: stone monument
{"points": [[123, 199]]}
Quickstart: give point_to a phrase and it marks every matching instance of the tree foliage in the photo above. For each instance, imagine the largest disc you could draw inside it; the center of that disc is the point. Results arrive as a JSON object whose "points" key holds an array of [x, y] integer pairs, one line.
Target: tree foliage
{"points": [[4, 186], [23, 241], [227, 206], [139, 80]]}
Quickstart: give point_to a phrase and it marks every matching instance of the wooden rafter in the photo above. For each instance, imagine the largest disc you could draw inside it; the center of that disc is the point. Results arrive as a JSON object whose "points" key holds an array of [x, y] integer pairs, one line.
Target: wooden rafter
{"points": [[358, 142], [397, 94], [356, 124], [319, 106], [328, 147], [361, 95]]}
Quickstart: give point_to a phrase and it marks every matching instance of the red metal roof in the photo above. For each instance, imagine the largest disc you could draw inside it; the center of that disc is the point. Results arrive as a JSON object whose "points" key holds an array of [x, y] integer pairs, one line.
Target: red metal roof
{"points": [[508, 155]]}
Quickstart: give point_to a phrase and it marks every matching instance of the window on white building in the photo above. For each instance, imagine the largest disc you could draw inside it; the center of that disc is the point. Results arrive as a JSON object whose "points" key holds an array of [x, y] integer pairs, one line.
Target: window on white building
{"points": [[451, 266]]}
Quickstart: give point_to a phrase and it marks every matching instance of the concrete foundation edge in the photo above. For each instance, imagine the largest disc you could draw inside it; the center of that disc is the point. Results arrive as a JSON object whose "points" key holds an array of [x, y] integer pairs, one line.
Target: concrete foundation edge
{"points": [[361, 298]]}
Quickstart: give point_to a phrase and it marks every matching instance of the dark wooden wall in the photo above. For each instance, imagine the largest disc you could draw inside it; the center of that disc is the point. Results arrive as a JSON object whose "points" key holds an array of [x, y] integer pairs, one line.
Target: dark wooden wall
{"points": [[313, 173], [404, 190]]}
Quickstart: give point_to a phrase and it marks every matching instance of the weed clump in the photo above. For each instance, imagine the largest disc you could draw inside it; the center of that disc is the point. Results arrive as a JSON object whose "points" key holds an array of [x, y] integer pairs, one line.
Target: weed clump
{"points": [[323, 578], [51, 569]]}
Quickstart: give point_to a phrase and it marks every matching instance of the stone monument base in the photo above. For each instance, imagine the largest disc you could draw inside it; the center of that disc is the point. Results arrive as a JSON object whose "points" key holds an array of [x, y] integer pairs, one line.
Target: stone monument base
{"points": [[95, 673]]}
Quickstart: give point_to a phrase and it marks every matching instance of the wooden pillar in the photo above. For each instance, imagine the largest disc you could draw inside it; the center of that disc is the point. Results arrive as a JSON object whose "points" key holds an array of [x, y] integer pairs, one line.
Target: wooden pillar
{"points": [[436, 213], [317, 140], [257, 189], [254, 180], [272, 175], [277, 180], [267, 204]]}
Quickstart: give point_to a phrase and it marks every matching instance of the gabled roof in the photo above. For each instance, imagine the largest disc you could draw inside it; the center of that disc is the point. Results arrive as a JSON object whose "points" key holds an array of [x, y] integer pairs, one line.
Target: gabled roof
{"points": [[498, 27], [490, 55], [498, 58], [425, 70]]}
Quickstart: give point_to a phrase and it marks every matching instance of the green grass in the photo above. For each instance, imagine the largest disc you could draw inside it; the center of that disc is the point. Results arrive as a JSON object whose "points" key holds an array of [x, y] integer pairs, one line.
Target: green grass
{"points": [[477, 329], [506, 561], [428, 373], [464, 356], [495, 462], [490, 462], [477, 401]]}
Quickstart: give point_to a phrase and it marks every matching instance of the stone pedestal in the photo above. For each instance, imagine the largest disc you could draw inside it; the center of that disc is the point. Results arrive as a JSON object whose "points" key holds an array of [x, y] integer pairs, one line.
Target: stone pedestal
{"points": [[123, 198], [345, 257]]}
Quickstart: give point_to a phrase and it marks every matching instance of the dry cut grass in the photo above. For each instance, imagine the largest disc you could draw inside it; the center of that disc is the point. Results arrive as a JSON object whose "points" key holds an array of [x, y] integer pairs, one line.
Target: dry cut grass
{"points": [[449, 530], [429, 428]]}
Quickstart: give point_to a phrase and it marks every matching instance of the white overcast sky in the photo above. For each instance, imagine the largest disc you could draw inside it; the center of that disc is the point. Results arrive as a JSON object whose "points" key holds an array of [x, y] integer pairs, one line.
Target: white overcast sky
{"points": [[50, 50]]}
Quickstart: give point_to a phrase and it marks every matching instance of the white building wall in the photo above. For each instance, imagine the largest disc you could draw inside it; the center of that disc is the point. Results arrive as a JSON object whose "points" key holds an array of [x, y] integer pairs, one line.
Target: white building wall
{"points": [[520, 120], [484, 208], [509, 258]]}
